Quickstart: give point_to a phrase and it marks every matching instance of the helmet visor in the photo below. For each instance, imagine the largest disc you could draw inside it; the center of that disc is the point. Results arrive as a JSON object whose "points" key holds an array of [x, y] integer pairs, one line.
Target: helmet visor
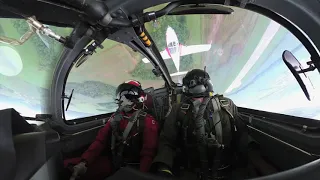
{"points": [[129, 91]]}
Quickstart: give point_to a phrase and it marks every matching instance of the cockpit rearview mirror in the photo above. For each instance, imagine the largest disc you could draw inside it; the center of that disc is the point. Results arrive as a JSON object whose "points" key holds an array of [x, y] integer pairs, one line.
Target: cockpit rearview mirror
{"points": [[200, 9], [299, 73]]}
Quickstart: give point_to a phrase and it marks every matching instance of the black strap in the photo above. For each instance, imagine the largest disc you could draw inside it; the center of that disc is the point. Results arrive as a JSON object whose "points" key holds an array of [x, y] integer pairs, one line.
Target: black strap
{"points": [[216, 163], [130, 124], [141, 125], [140, 122], [184, 115]]}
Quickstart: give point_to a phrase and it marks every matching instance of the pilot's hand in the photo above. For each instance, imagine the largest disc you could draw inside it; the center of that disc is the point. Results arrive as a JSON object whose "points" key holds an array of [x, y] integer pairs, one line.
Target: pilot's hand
{"points": [[78, 170]]}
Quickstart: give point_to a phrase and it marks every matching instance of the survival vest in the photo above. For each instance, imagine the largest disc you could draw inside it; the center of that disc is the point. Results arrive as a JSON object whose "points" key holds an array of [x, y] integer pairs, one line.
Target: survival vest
{"points": [[219, 124], [220, 118]]}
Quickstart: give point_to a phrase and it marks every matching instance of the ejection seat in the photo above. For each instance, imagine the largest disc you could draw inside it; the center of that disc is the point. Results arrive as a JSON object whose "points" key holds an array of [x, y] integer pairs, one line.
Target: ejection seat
{"points": [[26, 154], [157, 103], [149, 102]]}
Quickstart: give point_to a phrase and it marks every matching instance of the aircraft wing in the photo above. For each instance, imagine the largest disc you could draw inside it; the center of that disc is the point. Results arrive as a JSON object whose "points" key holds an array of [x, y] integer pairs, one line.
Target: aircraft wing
{"points": [[164, 55], [179, 73], [185, 50]]}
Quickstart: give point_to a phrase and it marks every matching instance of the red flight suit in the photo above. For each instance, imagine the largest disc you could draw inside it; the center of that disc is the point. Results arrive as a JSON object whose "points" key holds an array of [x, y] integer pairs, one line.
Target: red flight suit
{"points": [[100, 167]]}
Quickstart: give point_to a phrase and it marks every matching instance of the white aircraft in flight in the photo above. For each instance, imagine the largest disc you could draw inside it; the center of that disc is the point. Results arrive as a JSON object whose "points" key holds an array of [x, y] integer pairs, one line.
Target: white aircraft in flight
{"points": [[174, 50]]}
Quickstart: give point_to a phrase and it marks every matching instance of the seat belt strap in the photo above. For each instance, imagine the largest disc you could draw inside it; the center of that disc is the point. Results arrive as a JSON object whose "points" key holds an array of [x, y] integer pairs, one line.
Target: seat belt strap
{"points": [[131, 122], [113, 142], [217, 118], [179, 98]]}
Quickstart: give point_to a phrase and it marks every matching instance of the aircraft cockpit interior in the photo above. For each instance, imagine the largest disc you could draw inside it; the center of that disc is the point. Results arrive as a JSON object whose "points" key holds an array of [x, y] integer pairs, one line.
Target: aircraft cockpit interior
{"points": [[65, 66]]}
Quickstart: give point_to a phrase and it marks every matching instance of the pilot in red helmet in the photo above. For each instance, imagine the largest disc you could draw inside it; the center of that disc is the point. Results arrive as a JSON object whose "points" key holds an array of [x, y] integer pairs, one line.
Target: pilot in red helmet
{"points": [[130, 137]]}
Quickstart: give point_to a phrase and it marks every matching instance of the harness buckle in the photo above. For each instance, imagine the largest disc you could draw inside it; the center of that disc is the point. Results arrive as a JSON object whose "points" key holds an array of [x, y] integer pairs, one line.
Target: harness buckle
{"points": [[304, 128], [224, 103], [185, 106], [143, 114]]}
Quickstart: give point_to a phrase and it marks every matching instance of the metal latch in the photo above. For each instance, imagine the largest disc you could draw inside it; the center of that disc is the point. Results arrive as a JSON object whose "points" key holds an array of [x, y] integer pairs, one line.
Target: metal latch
{"points": [[185, 106], [304, 128], [250, 119]]}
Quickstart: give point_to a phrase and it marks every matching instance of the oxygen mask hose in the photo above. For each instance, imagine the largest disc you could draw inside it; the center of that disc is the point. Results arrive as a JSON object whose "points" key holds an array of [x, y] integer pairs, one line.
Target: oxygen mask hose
{"points": [[114, 123], [200, 134]]}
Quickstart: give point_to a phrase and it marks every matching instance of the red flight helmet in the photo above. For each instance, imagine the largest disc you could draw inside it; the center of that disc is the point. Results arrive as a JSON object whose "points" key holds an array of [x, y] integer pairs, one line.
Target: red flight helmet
{"points": [[132, 91]]}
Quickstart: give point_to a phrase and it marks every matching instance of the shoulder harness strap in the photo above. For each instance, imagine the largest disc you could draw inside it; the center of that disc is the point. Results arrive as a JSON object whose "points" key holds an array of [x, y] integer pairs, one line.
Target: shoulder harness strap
{"points": [[216, 116], [226, 105], [131, 122], [178, 100], [183, 120], [183, 114]]}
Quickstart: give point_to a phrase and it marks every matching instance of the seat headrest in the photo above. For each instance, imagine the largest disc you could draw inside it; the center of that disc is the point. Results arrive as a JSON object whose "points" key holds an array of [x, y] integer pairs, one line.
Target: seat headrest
{"points": [[11, 124]]}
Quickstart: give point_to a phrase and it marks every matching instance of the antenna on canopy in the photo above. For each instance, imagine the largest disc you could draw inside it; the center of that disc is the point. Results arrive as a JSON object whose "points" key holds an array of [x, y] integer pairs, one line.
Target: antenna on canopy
{"points": [[205, 71], [69, 99]]}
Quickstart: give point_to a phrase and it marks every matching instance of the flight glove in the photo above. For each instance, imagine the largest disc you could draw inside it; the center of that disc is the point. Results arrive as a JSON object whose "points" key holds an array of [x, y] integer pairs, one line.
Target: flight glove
{"points": [[78, 170]]}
